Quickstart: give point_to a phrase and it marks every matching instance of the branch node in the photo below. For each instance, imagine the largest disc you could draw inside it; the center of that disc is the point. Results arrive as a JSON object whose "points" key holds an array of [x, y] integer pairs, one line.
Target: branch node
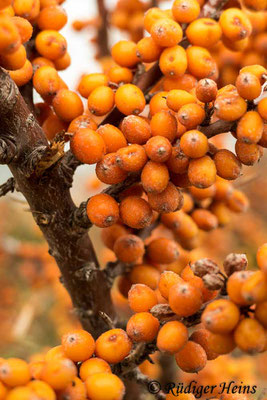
{"points": [[86, 272]]}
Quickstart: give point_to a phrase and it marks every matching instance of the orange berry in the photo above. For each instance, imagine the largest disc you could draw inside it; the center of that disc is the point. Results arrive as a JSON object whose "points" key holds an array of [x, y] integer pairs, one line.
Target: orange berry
{"points": [[191, 115], [202, 194], [204, 219], [166, 32], [248, 154], [262, 108], [54, 353], [230, 107], [87, 146], [42, 62], [113, 346], [206, 90], [185, 299], [53, 125], [204, 32], [129, 248], [202, 172], [113, 137], [202, 337], [67, 104], [250, 336], [145, 274], [172, 337], [131, 158], [167, 201], [185, 11], [101, 100], [51, 44], [166, 281], [158, 103], [108, 171], [120, 75], [151, 16], [142, 327], [104, 386], [258, 70], [46, 81], [194, 144], [235, 24], [250, 127], [158, 149], [141, 298], [177, 98], [238, 202], [258, 5], [9, 36], [27, 9], [173, 61], [102, 210], [154, 177], [24, 27], [75, 390], [221, 343], [248, 86], [14, 372], [164, 124], [83, 121], [136, 129], [78, 345], [254, 289], [21, 393], [178, 162], [93, 366], [162, 251], [204, 67], [185, 82], [227, 164], [135, 212], [192, 358], [261, 313], [124, 53], [262, 257], [220, 316], [63, 62], [42, 390], [130, 99], [15, 60], [90, 82], [111, 234], [147, 50], [5, 3], [53, 17]]}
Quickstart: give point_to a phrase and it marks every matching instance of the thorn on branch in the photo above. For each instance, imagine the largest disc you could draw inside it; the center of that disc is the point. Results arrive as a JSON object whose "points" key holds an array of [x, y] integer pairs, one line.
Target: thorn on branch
{"points": [[8, 186], [107, 320]]}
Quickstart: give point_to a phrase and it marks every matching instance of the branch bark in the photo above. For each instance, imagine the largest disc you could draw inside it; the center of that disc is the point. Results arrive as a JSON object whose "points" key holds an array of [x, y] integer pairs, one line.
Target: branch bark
{"points": [[102, 33], [22, 143], [8, 186]]}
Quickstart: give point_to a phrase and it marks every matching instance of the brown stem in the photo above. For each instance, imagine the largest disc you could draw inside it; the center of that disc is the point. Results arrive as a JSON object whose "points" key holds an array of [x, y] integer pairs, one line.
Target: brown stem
{"points": [[213, 8], [8, 186], [217, 127], [102, 33], [22, 144]]}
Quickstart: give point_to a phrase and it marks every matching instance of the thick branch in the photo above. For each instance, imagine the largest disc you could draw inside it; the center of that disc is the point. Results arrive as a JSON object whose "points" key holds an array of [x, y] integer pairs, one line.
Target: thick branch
{"points": [[217, 127], [21, 141], [102, 34]]}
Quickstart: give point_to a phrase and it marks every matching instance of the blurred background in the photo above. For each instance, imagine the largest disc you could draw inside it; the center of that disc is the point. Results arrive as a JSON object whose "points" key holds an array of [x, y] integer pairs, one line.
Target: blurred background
{"points": [[35, 309]]}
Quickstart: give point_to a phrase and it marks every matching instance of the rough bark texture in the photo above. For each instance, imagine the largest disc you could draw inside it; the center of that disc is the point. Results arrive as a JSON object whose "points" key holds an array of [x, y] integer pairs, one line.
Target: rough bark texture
{"points": [[22, 144], [102, 34]]}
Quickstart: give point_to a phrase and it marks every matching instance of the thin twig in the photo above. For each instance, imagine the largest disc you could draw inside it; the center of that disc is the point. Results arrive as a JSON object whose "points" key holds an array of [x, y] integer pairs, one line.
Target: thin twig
{"points": [[8, 186]]}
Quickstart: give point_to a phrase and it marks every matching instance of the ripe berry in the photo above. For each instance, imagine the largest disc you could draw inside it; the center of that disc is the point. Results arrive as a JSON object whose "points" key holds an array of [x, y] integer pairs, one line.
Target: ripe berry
{"points": [[93, 366], [108, 171], [261, 313], [90, 82], [185, 299], [172, 337], [158, 149], [135, 212], [262, 257], [192, 358], [185, 11], [202, 172], [130, 99], [78, 345], [51, 44], [194, 144], [221, 343], [113, 346], [250, 127], [248, 86], [227, 164], [14, 372], [147, 50], [202, 337], [250, 336], [142, 327], [131, 158], [124, 53], [206, 90], [204, 32], [177, 98], [163, 123], [136, 129], [102, 210], [59, 373], [104, 386], [191, 115], [87, 146], [166, 32], [101, 100], [67, 104], [154, 177], [235, 24], [173, 61], [220, 316], [141, 298], [162, 251], [171, 199]]}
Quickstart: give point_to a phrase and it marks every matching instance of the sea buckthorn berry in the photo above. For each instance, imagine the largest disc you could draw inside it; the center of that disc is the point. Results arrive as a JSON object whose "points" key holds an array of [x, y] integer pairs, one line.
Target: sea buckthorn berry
{"points": [[166, 281], [120, 75], [166, 32], [67, 104], [202, 172], [163, 123], [87, 146], [51, 44], [24, 27], [145, 274], [202, 337], [250, 127], [154, 177], [101, 100], [147, 50], [262, 257], [185, 299], [55, 353], [53, 125], [235, 24], [185, 82], [194, 144], [172, 337], [220, 316], [238, 202], [141, 298], [158, 149], [14, 372], [39, 62], [247, 153], [227, 164], [230, 107], [105, 386], [204, 68], [192, 358], [250, 336], [90, 82], [181, 223], [173, 61], [124, 53], [46, 81], [248, 86], [22, 393], [178, 162], [130, 99], [158, 103], [14, 60], [221, 343], [111, 234], [27, 9], [5, 3], [9, 35], [63, 63], [234, 286], [238, 45], [78, 345], [102, 210], [163, 251], [185, 11], [136, 129], [108, 171], [131, 158], [258, 5], [151, 16], [261, 313], [221, 211], [53, 17], [254, 289], [257, 70], [75, 390], [135, 212], [223, 188], [171, 199], [177, 98], [93, 366], [59, 373], [142, 327], [83, 121], [191, 115], [113, 346], [262, 108], [204, 32], [206, 90], [134, 190], [202, 194], [129, 248], [42, 390], [204, 219], [3, 391], [113, 137]]}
